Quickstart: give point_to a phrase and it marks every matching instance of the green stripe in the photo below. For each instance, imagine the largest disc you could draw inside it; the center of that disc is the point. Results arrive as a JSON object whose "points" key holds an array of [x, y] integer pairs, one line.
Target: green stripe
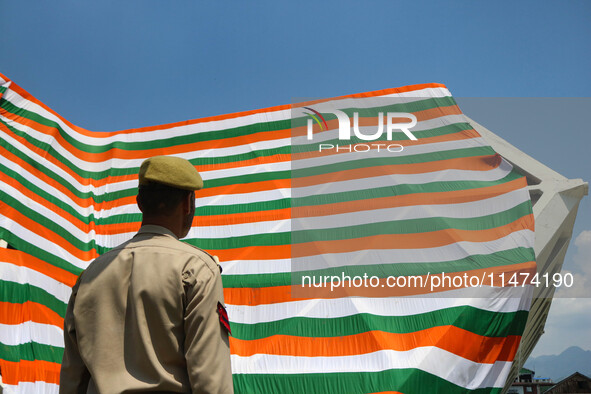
{"points": [[48, 197], [473, 262], [302, 146], [17, 293], [112, 172], [396, 190], [408, 381], [35, 251], [388, 160], [265, 176], [214, 135], [42, 168], [354, 195], [396, 227], [280, 151], [243, 208], [477, 321], [414, 106], [408, 226], [108, 197], [413, 226], [48, 224], [115, 172], [31, 351], [213, 210], [248, 178], [242, 241]]}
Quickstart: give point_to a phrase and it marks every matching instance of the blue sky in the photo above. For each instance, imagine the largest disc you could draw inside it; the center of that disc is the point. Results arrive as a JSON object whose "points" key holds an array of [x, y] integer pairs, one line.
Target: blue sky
{"points": [[116, 65]]}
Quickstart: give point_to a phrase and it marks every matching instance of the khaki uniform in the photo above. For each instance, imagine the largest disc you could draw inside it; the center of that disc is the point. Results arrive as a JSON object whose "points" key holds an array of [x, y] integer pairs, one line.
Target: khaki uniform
{"points": [[145, 317]]}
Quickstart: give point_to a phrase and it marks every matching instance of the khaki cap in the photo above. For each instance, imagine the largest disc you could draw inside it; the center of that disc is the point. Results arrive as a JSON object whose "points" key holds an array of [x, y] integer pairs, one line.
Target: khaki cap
{"points": [[170, 171]]}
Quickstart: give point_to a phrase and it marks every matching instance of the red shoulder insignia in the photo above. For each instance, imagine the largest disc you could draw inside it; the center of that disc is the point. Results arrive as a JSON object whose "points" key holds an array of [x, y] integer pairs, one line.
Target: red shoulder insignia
{"points": [[224, 317]]}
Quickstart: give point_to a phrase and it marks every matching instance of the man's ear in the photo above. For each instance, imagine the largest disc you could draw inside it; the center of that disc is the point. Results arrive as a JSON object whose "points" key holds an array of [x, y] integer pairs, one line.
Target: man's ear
{"points": [[187, 203], [139, 203]]}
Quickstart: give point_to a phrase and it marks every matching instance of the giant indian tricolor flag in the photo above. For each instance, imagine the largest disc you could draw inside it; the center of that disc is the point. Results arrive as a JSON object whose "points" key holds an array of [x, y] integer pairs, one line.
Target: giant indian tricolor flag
{"points": [[298, 226]]}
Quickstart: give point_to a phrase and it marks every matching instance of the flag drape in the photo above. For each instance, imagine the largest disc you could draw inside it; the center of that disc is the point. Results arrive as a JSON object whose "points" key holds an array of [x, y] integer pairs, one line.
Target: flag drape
{"points": [[275, 210]]}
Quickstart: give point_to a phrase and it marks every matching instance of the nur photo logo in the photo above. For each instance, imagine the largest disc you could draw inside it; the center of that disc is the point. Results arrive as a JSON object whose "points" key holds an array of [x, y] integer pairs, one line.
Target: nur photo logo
{"points": [[390, 123]]}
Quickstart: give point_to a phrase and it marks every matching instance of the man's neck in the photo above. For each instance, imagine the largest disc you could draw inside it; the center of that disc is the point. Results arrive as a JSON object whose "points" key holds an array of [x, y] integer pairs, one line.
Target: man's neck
{"points": [[166, 222]]}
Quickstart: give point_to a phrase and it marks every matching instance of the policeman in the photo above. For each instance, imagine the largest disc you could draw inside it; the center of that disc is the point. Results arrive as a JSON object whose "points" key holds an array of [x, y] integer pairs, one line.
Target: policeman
{"points": [[149, 315]]}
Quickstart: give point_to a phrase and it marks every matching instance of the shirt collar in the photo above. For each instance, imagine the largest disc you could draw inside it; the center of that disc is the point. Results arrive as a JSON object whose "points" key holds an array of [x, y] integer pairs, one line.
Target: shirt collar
{"points": [[154, 229]]}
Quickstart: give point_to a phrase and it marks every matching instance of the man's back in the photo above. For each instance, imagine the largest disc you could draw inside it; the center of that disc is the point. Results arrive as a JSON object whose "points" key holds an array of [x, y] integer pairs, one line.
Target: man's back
{"points": [[139, 311]]}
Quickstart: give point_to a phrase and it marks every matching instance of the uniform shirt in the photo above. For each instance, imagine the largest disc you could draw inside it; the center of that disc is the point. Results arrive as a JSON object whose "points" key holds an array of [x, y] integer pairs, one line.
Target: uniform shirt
{"points": [[144, 317]]}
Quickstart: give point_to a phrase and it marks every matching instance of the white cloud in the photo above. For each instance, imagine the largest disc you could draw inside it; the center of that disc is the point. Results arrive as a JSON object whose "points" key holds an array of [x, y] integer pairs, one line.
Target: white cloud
{"points": [[567, 325], [584, 240], [569, 320], [580, 269]]}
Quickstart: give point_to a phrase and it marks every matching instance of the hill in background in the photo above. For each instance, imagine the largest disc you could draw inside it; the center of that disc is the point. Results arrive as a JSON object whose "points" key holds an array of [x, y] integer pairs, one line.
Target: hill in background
{"points": [[557, 367]]}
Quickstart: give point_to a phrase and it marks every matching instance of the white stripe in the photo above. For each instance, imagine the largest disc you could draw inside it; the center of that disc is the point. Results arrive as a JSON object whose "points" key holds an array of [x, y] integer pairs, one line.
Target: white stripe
{"points": [[361, 184], [187, 130], [233, 150], [246, 170], [124, 185], [369, 183], [243, 267], [255, 169], [108, 240], [206, 175], [421, 94], [39, 241], [36, 158], [448, 366], [116, 163], [118, 210], [18, 334], [141, 136], [460, 210], [387, 99], [366, 102], [508, 299], [455, 251], [134, 163], [49, 214], [472, 209], [263, 117], [450, 252], [244, 198], [220, 152], [333, 134], [212, 201], [23, 275], [197, 232], [111, 163], [84, 211], [300, 162], [113, 240], [240, 230], [38, 387]]}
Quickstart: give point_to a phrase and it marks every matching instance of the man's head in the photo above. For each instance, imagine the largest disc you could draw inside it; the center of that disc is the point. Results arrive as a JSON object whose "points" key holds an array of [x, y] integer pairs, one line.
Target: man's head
{"points": [[166, 194]]}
